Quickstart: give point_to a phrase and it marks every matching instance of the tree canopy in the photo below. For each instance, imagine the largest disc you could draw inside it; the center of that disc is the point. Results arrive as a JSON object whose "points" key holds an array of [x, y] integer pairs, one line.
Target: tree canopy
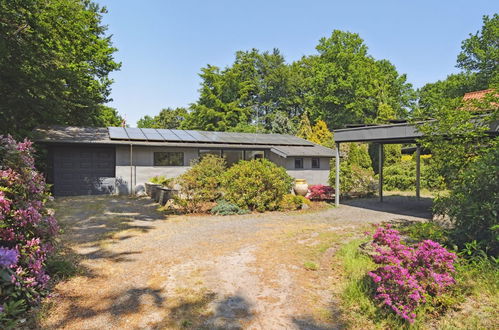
{"points": [[479, 60], [167, 118], [260, 92], [55, 60]]}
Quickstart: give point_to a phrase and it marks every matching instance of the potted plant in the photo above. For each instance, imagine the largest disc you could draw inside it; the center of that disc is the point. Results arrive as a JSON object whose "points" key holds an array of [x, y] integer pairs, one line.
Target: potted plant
{"points": [[155, 184]]}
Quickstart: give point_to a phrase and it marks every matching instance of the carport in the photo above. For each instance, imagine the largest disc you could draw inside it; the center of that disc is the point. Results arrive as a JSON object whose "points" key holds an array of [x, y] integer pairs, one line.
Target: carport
{"points": [[381, 134]]}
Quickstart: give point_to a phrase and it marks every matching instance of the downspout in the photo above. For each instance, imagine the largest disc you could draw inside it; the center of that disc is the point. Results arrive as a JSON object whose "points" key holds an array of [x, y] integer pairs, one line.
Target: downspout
{"points": [[131, 170]]}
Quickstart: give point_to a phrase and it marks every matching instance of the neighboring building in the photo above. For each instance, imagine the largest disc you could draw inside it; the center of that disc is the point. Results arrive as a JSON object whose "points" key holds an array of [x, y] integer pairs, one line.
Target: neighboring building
{"points": [[88, 161], [471, 98]]}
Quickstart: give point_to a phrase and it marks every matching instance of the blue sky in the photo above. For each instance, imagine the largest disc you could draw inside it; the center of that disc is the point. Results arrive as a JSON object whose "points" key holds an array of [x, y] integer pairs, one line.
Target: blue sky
{"points": [[163, 44]]}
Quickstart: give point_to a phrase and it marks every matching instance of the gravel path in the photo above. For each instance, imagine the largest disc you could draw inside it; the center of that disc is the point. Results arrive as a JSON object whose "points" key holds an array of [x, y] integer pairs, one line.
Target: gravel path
{"points": [[142, 269]]}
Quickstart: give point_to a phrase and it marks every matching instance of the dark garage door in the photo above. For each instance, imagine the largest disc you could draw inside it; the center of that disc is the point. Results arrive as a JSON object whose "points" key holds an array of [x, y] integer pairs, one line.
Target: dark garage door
{"points": [[83, 170]]}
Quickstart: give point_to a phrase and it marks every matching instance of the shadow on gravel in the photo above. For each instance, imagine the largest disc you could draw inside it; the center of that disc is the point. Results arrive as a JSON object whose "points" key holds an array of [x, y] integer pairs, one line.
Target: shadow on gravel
{"points": [[402, 205], [205, 311], [126, 303], [87, 219]]}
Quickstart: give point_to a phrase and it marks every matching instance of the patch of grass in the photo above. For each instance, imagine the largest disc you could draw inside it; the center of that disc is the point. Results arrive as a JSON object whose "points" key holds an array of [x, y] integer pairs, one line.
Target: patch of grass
{"points": [[310, 265], [61, 268]]}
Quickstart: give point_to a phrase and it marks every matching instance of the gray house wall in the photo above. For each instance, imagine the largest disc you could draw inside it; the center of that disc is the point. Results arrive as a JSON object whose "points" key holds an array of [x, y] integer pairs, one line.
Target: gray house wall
{"points": [[312, 175], [143, 166]]}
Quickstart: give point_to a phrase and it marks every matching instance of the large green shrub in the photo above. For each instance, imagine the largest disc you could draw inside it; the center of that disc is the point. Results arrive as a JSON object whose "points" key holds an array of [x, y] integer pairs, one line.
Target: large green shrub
{"points": [[473, 203], [256, 184], [402, 175], [201, 183], [356, 174]]}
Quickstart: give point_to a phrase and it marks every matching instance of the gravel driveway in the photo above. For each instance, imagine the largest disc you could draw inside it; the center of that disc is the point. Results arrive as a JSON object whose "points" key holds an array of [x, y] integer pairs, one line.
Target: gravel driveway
{"points": [[142, 269]]}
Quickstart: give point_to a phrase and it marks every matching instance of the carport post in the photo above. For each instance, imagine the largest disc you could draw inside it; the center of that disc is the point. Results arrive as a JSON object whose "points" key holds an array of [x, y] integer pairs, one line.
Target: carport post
{"points": [[337, 182], [380, 171], [418, 171]]}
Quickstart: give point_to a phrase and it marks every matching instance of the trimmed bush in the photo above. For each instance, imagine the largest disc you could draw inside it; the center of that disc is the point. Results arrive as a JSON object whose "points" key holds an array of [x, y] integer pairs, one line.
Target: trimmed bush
{"points": [[257, 184], [27, 229], [225, 208], [201, 183], [290, 202]]}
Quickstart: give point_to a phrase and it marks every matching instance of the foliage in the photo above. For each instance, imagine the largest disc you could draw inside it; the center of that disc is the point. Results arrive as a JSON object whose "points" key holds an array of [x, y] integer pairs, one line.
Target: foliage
{"points": [[402, 175], [480, 52], [290, 202], [476, 280], [420, 231], [341, 84], [479, 59], [409, 275], [256, 184], [27, 229], [348, 85], [162, 180], [201, 183], [167, 118], [473, 202], [225, 208], [108, 117], [304, 127], [254, 90], [55, 60], [320, 192], [356, 174]]}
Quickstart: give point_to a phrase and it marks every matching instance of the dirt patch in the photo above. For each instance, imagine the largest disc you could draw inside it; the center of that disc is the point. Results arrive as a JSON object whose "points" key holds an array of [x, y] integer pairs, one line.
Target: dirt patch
{"points": [[142, 269]]}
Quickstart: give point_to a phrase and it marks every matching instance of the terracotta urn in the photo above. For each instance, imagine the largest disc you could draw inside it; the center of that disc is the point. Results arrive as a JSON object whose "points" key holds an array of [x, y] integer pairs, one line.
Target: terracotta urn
{"points": [[301, 187]]}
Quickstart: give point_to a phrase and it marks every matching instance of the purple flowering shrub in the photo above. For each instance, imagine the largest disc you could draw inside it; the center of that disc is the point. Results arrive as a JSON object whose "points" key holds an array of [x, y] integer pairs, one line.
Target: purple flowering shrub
{"points": [[26, 227], [408, 275]]}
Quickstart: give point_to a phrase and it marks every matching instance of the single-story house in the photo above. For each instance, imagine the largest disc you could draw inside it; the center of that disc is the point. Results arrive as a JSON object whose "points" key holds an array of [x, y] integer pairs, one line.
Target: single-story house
{"points": [[117, 160]]}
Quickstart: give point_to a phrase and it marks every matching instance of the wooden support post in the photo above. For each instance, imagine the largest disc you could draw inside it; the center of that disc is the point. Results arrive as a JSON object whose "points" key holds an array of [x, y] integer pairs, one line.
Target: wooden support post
{"points": [[418, 171], [337, 182], [380, 171]]}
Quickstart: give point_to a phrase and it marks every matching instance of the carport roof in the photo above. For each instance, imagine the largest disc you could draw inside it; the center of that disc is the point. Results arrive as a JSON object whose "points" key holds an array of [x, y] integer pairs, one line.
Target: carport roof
{"points": [[393, 133]]}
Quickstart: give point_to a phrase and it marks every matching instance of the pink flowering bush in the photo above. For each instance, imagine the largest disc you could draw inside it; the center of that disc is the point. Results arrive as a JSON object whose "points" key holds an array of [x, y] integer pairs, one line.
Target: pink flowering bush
{"points": [[26, 228], [320, 192], [408, 275]]}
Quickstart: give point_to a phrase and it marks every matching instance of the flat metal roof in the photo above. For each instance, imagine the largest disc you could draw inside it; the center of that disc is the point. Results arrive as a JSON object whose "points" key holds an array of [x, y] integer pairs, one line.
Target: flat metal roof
{"points": [[100, 136], [392, 133]]}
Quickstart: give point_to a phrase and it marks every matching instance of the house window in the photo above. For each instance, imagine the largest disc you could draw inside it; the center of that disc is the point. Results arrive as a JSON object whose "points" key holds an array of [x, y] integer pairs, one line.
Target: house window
{"points": [[298, 162], [316, 163], [168, 159], [254, 154], [232, 156]]}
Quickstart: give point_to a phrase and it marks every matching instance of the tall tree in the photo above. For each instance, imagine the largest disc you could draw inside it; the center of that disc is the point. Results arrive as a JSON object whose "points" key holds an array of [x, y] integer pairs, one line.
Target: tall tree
{"points": [[480, 53], [349, 86], [167, 118], [55, 60], [254, 90], [479, 59]]}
